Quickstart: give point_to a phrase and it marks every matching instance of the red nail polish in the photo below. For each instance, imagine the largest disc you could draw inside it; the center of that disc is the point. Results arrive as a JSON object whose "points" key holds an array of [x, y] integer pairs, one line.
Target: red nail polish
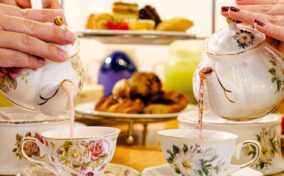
{"points": [[259, 23], [225, 8], [234, 9]]}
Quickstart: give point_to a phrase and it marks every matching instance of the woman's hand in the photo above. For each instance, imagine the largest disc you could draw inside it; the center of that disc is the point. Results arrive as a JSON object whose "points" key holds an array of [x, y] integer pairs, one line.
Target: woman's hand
{"points": [[266, 15], [51, 4], [25, 38]]}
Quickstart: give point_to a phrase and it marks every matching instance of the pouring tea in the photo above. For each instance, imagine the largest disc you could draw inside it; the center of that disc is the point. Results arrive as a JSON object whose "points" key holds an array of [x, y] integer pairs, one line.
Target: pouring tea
{"points": [[41, 89], [243, 75]]}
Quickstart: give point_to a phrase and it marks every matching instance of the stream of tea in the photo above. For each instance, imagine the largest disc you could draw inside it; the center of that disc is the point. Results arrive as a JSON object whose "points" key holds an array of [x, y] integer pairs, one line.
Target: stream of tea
{"points": [[200, 105], [68, 87], [202, 75]]}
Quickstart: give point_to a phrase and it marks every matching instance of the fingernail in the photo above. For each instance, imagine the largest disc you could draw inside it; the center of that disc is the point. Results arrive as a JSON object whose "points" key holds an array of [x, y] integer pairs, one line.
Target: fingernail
{"points": [[62, 54], [225, 8], [69, 36], [259, 23], [41, 61], [234, 9]]}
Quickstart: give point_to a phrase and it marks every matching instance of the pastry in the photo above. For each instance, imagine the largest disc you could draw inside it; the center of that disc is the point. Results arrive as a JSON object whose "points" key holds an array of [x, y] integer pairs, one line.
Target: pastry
{"points": [[142, 93], [140, 85], [166, 102], [141, 24], [125, 10], [99, 21], [117, 105], [149, 12], [121, 89], [144, 84], [91, 22], [175, 24]]}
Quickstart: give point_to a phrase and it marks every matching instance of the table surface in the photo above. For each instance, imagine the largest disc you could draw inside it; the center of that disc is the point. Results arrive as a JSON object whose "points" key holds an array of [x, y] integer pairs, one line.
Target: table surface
{"points": [[140, 158]]}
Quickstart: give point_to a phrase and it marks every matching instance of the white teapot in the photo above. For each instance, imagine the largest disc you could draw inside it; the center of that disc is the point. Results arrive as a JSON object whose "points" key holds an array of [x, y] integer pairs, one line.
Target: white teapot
{"points": [[243, 75], [41, 90]]}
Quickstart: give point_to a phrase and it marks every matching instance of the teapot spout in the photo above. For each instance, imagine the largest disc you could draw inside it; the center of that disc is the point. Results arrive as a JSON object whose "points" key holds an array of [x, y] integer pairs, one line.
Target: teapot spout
{"points": [[213, 83]]}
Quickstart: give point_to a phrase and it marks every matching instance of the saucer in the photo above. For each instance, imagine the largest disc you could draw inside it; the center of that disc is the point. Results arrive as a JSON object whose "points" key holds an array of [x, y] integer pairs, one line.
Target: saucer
{"points": [[111, 170], [165, 170]]}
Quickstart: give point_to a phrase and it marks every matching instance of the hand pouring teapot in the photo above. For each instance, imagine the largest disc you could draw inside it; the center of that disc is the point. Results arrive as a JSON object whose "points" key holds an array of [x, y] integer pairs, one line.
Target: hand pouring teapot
{"points": [[41, 89], [243, 75]]}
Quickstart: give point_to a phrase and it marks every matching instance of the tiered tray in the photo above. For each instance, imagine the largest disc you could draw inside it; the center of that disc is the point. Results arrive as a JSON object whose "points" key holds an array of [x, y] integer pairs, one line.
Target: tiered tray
{"points": [[136, 37]]}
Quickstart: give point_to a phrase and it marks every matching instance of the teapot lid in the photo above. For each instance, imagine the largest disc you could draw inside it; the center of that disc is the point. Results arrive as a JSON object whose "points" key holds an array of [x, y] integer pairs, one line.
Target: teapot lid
{"points": [[234, 39]]}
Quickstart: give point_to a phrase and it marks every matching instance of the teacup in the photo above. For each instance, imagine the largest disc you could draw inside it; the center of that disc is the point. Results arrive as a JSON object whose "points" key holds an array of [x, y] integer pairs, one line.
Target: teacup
{"points": [[265, 130], [189, 155], [86, 154]]}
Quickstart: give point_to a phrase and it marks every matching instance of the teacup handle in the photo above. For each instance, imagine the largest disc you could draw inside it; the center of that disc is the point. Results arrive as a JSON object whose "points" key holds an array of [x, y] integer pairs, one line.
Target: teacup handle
{"points": [[237, 154], [43, 151]]}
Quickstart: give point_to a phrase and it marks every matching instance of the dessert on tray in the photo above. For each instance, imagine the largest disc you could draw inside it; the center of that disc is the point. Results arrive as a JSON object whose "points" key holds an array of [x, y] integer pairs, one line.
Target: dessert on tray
{"points": [[175, 24], [125, 10], [142, 93], [128, 16], [149, 12]]}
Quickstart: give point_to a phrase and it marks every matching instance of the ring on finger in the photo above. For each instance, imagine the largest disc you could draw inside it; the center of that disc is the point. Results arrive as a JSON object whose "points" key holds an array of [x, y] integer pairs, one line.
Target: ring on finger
{"points": [[274, 19], [273, 2], [266, 8]]}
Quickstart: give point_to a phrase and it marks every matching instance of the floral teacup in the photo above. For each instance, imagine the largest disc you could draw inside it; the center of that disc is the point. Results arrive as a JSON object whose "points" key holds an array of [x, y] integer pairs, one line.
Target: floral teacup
{"points": [[189, 155], [86, 154]]}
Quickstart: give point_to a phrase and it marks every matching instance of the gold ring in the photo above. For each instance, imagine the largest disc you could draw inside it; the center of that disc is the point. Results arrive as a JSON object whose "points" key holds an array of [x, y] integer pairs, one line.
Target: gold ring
{"points": [[274, 2], [59, 21], [273, 19], [266, 8]]}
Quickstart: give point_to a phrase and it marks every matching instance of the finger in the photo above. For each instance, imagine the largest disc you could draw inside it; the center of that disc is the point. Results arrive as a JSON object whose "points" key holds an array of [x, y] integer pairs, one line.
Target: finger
{"points": [[14, 58], [266, 9], [31, 45], [41, 15], [249, 17], [24, 3], [46, 32], [9, 2], [259, 2], [52, 4], [270, 30], [225, 11]]}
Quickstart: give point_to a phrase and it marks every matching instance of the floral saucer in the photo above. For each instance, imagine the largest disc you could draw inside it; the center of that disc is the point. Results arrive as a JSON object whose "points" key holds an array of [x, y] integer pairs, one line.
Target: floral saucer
{"points": [[164, 170], [111, 170]]}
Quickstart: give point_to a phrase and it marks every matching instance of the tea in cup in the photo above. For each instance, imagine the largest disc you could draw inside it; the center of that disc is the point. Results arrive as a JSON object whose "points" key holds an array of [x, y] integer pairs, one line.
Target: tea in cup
{"points": [[86, 154], [191, 155]]}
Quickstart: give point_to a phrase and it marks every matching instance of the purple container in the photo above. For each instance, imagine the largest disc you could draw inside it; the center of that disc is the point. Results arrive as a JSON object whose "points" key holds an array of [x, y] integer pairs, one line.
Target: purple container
{"points": [[115, 67]]}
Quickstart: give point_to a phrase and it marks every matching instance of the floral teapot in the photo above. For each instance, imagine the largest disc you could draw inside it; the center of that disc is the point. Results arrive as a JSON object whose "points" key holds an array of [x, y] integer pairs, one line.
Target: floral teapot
{"points": [[243, 76], [41, 90]]}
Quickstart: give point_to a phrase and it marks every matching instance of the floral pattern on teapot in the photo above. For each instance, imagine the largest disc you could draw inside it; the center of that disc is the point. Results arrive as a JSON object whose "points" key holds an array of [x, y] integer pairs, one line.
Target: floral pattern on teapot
{"points": [[77, 66], [244, 38]]}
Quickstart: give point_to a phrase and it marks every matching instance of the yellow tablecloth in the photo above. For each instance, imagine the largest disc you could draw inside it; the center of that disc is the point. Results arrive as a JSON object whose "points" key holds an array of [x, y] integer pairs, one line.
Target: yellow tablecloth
{"points": [[4, 102]]}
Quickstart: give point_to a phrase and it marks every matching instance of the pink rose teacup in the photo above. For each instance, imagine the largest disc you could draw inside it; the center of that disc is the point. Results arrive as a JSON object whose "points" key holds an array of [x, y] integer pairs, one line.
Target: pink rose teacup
{"points": [[86, 154]]}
